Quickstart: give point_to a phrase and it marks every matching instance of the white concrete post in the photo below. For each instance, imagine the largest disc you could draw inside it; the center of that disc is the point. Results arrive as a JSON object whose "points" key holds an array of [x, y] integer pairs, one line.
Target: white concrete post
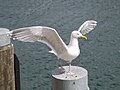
{"points": [[77, 81]]}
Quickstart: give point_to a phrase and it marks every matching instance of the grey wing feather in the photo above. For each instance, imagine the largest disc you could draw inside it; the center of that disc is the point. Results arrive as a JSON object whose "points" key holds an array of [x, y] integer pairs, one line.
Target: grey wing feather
{"points": [[42, 34], [87, 26], [23, 34]]}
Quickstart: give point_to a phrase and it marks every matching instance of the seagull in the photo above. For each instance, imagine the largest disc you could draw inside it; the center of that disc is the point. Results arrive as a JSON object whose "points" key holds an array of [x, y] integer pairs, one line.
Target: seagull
{"points": [[52, 39]]}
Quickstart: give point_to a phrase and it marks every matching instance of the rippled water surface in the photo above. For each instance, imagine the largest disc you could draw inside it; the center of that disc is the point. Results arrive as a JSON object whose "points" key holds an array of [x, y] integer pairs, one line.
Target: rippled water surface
{"points": [[100, 54]]}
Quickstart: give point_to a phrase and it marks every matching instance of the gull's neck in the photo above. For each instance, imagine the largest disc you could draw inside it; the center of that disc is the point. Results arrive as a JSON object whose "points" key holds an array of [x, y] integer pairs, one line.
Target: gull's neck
{"points": [[73, 41]]}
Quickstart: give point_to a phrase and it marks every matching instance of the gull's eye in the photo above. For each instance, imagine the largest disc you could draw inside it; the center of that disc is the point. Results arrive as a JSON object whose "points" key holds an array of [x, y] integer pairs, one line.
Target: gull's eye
{"points": [[78, 34]]}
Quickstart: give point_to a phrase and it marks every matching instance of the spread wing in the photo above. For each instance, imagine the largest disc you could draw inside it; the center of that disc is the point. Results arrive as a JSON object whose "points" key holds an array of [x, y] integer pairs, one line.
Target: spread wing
{"points": [[42, 34], [87, 26]]}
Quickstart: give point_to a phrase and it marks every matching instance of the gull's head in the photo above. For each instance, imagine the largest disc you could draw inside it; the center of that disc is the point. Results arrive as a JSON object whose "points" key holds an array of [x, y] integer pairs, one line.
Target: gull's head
{"points": [[77, 34]]}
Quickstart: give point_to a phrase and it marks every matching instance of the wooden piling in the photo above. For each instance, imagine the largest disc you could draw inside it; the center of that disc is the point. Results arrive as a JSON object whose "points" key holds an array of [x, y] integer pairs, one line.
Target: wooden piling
{"points": [[7, 79], [76, 81]]}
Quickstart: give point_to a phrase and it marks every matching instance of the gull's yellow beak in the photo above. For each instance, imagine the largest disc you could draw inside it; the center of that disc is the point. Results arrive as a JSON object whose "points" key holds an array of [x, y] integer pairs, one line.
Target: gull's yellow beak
{"points": [[84, 37]]}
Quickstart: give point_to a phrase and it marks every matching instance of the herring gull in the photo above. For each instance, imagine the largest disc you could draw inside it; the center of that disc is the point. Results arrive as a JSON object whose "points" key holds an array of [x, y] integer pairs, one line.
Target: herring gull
{"points": [[51, 38]]}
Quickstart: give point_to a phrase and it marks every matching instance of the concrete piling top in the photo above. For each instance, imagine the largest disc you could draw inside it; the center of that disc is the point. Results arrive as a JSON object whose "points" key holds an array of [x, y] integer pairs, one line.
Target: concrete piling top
{"points": [[78, 72], [76, 80], [4, 38]]}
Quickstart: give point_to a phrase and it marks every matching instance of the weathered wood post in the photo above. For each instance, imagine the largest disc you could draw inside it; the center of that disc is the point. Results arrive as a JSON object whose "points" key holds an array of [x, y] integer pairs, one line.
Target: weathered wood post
{"points": [[76, 81], [7, 80]]}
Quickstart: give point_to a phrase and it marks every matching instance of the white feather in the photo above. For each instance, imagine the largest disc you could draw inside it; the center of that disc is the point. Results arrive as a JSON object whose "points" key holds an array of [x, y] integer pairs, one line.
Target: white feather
{"points": [[87, 26]]}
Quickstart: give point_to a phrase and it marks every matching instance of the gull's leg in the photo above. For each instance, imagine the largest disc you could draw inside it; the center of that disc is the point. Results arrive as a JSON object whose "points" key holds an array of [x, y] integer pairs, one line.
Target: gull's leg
{"points": [[69, 70], [61, 69], [60, 62]]}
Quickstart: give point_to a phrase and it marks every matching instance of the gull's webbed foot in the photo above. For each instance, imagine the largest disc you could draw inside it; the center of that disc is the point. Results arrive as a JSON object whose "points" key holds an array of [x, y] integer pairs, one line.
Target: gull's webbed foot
{"points": [[61, 70]]}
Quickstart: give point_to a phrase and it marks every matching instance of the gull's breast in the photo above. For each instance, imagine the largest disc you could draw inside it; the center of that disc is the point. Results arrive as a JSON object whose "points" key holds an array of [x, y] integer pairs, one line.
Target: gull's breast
{"points": [[71, 54]]}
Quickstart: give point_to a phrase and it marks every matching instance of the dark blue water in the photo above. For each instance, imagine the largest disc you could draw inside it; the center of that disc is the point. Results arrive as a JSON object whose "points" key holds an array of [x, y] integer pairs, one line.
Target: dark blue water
{"points": [[100, 54]]}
